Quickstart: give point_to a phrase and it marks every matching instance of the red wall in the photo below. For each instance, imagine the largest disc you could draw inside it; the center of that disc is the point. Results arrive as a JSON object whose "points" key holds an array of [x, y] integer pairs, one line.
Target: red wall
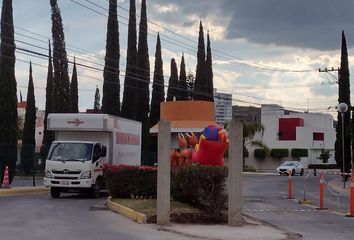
{"points": [[287, 127]]}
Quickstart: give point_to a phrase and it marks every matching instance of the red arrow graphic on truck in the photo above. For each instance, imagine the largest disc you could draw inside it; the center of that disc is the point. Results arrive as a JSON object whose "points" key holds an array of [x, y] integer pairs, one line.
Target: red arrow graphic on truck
{"points": [[76, 122]]}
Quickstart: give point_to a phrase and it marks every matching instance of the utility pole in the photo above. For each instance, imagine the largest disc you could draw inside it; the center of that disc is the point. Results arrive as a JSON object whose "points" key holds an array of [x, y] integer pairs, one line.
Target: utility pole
{"points": [[329, 72]]}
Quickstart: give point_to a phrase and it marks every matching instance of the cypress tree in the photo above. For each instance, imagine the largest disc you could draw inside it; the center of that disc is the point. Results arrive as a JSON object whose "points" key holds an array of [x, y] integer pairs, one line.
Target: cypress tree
{"points": [[61, 83], [29, 129], [183, 90], [200, 79], [48, 136], [129, 104], [209, 72], [96, 104], [144, 77], [173, 85], [158, 89], [190, 85], [111, 87], [74, 91], [343, 97], [8, 93]]}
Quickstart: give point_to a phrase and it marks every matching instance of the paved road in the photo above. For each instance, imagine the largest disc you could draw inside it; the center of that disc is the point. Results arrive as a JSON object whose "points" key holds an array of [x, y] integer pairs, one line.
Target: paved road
{"points": [[265, 197], [26, 181], [40, 217]]}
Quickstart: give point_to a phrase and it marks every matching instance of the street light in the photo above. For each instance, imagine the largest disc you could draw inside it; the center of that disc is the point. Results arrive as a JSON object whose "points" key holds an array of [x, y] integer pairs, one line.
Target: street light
{"points": [[342, 108]]}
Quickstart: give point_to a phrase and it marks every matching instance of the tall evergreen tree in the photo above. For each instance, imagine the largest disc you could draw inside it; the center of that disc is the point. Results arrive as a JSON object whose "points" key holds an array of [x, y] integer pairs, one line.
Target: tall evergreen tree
{"points": [[158, 89], [29, 129], [209, 72], [173, 85], [129, 104], [190, 84], [96, 104], [74, 91], [61, 83], [8, 93], [111, 85], [144, 77], [200, 79], [48, 136], [343, 97], [183, 89]]}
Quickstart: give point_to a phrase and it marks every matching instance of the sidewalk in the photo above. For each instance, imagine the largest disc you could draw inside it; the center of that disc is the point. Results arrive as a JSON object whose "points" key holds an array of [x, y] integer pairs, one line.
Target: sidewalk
{"points": [[251, 229]]}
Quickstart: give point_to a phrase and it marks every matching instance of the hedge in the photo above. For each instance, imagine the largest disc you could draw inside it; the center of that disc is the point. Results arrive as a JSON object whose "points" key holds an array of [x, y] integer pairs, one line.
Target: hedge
{"points": [[200, 186], [279, 152], [124, 181], [323, 166], [259, 153], [299, 152]]}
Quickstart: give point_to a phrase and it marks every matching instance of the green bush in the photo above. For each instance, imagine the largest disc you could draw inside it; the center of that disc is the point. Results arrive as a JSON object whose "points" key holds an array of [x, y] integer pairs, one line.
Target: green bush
{"points": [[299, 152], [249, 169], [259, 153], [279, 152], [123, 181], [323, 166], [200, 186]]}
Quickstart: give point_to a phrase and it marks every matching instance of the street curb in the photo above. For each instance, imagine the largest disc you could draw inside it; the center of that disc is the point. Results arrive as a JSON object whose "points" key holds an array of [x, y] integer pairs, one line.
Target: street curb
{"points": [[23, 191], [127, 212]]}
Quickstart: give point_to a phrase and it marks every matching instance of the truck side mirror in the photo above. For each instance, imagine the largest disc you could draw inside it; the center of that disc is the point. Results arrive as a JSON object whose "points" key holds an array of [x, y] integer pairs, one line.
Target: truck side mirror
{"points": [[103, 151]]}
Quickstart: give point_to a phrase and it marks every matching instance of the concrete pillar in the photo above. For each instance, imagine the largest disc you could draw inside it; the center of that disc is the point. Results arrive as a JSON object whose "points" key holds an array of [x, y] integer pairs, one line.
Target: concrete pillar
{"points": [[235, 168], [163, 173]]}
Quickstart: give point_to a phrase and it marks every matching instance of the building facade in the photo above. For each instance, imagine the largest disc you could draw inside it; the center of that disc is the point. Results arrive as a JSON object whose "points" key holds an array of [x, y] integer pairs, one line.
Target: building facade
{"points": [[294, 130], [223, 107], [248, 114]]}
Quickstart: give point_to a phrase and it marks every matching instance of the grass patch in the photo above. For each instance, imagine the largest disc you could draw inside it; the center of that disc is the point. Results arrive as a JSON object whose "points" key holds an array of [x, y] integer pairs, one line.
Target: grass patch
{"points": [[180, 212], [148, 206]]}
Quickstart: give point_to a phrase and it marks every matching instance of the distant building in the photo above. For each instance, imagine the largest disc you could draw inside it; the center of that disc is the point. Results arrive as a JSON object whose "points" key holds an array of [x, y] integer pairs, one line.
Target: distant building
{"points": [[223, 107], [246, 114], [40, 114], [293, 130]]}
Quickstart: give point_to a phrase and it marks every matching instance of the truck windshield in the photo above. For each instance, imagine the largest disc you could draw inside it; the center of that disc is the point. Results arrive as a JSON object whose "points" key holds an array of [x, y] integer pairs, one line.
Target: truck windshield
{"points": [[71, 152]]}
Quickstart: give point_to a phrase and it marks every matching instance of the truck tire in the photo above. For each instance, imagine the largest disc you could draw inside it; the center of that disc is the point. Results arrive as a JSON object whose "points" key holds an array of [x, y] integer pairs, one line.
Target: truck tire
{"points": [[96, 189], [55, 192]]}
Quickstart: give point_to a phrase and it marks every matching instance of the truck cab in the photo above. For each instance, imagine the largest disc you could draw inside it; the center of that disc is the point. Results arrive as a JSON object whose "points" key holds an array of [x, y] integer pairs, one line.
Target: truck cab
{"points": [[74, 166], [83, 144]]}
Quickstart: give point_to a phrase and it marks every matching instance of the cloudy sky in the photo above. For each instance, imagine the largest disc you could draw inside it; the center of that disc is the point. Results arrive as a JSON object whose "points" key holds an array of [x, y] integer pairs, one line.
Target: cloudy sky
{"points": [[263, 51]]}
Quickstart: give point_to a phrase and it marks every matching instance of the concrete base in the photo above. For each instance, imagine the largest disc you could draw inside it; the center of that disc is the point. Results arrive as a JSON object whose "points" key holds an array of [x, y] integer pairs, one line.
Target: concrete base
{"points": [[305, 202]]}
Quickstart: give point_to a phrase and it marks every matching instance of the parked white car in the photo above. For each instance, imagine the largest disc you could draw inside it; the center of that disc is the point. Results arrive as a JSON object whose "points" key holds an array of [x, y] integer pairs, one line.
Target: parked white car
{"points": [[294, 167]]}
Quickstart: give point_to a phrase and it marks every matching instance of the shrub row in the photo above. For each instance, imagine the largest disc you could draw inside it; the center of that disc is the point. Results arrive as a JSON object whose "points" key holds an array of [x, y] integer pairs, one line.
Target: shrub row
{"points": [[123, 181], [201, 186], [323, 166], [260, 153]]}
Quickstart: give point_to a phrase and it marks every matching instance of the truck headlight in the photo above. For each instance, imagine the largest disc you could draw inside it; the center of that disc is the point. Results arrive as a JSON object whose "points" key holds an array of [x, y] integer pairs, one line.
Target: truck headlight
{"points": [[85, 175], [48, 174]]}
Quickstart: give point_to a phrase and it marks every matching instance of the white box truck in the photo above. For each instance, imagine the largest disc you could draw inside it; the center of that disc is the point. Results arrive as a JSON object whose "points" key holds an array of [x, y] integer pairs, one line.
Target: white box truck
{"points": [[83, 144]]}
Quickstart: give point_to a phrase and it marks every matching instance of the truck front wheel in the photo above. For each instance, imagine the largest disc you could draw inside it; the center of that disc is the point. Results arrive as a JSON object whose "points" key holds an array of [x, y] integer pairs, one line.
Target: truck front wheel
{"points": [[96, 189], [55, 192]]}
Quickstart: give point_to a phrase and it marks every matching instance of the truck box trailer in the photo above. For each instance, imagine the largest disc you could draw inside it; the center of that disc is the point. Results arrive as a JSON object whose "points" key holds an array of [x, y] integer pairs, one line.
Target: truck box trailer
{"points": [[83, 144]]}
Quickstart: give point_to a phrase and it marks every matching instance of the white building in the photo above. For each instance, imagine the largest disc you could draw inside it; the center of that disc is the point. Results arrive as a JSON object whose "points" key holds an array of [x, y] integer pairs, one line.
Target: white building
{"points": [[223, 107], [289, 130]]}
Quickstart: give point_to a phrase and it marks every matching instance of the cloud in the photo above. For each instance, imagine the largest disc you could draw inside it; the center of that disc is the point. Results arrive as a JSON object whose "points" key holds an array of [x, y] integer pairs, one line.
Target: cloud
{"points": [[315, 24]]}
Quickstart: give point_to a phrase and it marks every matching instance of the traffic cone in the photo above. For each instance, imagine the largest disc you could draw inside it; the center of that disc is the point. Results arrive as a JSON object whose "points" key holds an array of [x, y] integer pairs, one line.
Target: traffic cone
{"points": [[321, 193], [5, 182], [351, 210]]}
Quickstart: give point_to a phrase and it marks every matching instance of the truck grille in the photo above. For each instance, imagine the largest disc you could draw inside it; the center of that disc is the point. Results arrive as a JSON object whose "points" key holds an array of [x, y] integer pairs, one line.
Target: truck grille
{"points": [[66, 172], [70, 178]]}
